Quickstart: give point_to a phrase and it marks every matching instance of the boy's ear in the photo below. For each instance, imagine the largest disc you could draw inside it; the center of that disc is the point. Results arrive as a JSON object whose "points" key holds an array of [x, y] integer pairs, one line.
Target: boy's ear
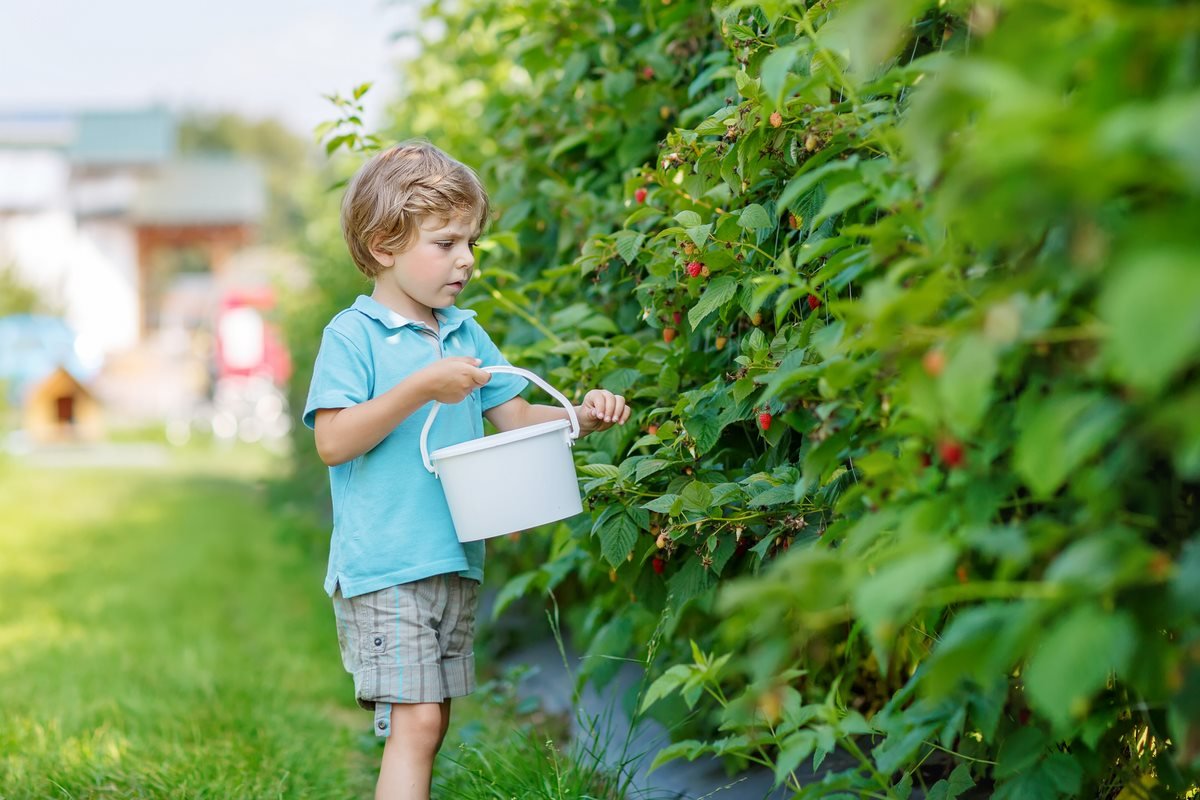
{"points": [[385, 257]]}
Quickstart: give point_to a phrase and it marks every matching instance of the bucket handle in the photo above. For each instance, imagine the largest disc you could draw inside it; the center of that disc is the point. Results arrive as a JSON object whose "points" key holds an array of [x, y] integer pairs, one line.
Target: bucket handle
{"points": [[524, 373]]}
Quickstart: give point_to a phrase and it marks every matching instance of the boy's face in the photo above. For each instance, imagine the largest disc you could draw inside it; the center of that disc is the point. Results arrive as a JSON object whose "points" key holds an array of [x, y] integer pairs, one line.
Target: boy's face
{"points": [[431, 273]]}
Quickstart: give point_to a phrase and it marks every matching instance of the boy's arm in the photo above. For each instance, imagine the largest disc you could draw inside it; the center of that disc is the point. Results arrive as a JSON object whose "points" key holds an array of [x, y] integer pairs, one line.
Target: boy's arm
{"points": [[601, 409], [344, 434]]}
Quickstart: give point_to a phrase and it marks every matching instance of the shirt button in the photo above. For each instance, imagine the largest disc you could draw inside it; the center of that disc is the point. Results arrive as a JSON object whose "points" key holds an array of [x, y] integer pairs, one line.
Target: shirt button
{"points": [[382, 725], [378, 641]]}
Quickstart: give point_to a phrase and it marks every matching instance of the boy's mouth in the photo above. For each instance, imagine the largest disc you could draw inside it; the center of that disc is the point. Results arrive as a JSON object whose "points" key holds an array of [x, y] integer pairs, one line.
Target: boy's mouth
{"points": [[459, 285]]}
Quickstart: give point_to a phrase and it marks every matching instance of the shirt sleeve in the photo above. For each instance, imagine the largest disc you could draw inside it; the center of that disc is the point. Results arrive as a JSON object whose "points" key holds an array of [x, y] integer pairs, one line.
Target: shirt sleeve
{"points": [[503, 386], [341, 376]]}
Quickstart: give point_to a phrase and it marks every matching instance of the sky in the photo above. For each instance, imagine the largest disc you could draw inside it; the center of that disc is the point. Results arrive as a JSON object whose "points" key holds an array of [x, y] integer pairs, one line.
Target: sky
{"points": [[261, 58]]}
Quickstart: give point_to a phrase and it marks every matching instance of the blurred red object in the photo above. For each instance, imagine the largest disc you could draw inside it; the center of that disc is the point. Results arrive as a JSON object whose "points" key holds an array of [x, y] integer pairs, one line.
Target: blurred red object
{"points": [[248, 344]]}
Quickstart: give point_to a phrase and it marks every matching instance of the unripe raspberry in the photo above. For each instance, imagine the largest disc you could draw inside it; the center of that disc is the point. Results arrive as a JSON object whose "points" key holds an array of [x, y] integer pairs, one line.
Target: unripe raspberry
{"points": [[668, 335], [776, 119], [934, 362]]}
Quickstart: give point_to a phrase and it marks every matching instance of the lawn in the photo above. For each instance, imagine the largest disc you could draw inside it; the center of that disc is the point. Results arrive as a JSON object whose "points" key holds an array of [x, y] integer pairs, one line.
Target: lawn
{"points": [[163, 634]]}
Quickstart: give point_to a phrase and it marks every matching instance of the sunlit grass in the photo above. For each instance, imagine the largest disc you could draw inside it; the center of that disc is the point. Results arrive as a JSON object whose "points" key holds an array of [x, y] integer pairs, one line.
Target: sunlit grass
{"points": [[163, 634]]}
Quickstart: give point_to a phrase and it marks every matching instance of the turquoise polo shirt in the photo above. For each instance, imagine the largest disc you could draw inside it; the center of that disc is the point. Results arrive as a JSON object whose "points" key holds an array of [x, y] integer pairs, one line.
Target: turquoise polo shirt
{"points": [[391, 524]]}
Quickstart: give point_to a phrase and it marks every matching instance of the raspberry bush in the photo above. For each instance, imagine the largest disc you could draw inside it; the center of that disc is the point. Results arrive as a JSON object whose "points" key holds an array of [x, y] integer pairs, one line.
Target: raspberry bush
{"points": [[906, 296]]}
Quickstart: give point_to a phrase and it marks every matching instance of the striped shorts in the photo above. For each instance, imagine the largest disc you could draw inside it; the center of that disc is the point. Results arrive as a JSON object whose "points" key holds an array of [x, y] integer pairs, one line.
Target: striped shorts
{"points": [[411, 643]]}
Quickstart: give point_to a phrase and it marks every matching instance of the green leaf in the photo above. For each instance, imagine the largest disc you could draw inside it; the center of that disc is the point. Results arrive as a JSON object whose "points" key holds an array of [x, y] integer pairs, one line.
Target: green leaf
{"points": [[600, 470], [666, 504], [755, 217], [514, 589], [666, 683], [793, 750], [688, 219], [1151, 310], [699, 234], [843, 197], [1061, 434], [718, 293], [966, 384], [1075, 659], [775, 70], [629, 243], [688, 748], [1020, 751], [617, 537], [1065, 772], [697, 496], [885, 598]]}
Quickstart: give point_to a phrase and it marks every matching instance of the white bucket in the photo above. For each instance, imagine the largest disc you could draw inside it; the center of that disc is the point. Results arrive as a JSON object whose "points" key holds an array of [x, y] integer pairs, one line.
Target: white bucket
{"points": [[510, 481]]}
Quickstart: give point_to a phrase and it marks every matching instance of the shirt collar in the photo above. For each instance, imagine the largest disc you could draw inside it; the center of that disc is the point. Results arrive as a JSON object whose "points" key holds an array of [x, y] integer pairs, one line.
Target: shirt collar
{"points": [[449, 317]]}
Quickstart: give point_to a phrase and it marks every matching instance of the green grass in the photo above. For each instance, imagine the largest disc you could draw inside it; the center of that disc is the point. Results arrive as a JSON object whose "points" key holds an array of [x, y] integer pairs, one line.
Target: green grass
{"points": [[163, 634]]}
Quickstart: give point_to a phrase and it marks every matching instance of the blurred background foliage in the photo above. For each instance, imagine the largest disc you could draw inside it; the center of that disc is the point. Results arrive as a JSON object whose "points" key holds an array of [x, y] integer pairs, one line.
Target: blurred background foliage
{"points": [[906, 298]]}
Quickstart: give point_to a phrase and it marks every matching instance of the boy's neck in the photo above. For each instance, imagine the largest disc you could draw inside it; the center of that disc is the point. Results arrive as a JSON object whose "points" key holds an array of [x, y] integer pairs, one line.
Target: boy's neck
{"points": [[408, 309]]}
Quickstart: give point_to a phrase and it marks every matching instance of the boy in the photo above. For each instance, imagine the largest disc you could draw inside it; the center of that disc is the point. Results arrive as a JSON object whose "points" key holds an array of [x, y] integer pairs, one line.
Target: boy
{"points": [[404, 589]]}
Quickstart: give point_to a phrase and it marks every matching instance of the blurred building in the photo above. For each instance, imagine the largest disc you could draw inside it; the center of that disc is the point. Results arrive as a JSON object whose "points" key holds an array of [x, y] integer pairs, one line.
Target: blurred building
{"points": [[130, 239]]}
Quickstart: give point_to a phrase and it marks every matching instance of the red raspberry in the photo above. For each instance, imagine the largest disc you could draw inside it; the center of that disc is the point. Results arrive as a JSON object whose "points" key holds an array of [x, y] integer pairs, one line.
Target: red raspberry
{"points": [[648, 73], [694, 268], [764, 421], [952, 453], [640, 194], [658, 565], [813, 301], [678, 317]]}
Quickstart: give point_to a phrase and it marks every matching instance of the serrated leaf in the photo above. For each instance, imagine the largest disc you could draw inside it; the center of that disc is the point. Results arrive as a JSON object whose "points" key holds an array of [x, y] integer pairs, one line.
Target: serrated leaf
{"points": [[665, 504], [699, 234], [792, 752], [843, 197], [629, 244], [718, 293], [688, 219], [689, 749], [697, 496], [666, 683], [617, 537], [755, 217], [600, 470]]}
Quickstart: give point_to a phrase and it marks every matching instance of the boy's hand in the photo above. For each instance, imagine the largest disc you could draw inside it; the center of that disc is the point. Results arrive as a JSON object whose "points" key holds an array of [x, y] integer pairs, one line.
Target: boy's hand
{"points": [[451, 379], [601, 410]]}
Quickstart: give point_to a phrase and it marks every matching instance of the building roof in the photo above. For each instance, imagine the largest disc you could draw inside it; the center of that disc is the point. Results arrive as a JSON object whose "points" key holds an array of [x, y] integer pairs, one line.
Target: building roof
{"points": [[123, 138], [37, 129], [202, 191]]}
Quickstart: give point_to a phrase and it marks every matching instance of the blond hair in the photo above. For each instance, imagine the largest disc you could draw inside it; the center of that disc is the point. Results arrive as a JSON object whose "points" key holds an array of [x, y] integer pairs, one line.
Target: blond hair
{"points": [[396, 189]]}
